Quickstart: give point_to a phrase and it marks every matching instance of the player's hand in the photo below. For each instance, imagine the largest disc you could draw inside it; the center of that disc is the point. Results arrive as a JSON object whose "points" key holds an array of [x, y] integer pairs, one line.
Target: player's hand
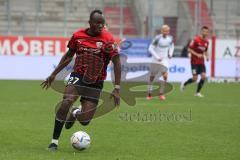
{"points": [[160, 59], [109, 47], [207, 58], [47, 83], [199, 56], [116, 96]]}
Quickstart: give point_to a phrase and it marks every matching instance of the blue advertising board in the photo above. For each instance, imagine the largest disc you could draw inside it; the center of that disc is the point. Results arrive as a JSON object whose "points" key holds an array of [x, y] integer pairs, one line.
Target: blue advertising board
{"points": [[135, 47]]}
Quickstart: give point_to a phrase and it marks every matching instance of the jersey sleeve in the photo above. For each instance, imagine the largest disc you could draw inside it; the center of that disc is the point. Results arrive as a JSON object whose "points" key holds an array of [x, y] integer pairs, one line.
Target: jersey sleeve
{"points": [[155, 41], [111, 47], [152, 47], [193, 43], [171, 47], [72, 44]]}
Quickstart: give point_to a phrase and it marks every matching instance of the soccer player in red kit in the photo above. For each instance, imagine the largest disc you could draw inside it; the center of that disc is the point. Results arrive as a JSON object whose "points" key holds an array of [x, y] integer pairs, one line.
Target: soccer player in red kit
{"points": [[198, 50], [94, 48]]}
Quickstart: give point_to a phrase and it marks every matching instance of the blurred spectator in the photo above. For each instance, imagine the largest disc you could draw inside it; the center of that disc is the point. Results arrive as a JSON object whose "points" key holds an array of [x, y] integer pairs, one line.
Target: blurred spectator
{"points": [[184, 52]]}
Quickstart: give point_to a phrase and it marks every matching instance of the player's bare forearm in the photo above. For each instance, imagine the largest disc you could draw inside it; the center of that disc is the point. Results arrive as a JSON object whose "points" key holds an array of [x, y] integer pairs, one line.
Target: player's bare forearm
{"points": [[117, 73], [117, 69], [193, 52], [206, 55], [65, 60]]}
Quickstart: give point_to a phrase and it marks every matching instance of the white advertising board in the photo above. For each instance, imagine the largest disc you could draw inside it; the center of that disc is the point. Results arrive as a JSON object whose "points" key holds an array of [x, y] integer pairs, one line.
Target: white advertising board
{"points": [[39, 67], [227, 48]]}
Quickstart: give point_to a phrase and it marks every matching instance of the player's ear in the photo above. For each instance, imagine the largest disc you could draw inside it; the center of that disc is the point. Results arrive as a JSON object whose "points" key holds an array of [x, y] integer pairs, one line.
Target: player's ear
{"points": [[90, 22]]}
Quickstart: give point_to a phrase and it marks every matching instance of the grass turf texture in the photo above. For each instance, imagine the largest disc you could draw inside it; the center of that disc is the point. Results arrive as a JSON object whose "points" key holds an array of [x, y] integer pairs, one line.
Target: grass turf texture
{"points": [[212, 131]]}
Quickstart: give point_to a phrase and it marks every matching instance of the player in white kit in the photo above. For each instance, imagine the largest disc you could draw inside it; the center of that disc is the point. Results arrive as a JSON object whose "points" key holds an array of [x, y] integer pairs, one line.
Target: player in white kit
{"points": [[161, 48]]}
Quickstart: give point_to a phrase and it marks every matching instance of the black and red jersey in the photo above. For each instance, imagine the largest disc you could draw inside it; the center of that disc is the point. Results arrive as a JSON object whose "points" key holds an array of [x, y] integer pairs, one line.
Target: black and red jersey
{"points": [[93, 54], [200, 46]]}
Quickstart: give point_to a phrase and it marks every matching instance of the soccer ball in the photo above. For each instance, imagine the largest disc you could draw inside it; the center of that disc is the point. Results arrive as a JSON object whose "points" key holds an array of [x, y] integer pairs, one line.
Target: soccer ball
{"points": [[80, 140]]}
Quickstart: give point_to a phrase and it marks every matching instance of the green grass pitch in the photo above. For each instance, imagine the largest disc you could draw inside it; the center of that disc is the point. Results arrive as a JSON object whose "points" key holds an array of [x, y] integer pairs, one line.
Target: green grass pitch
{"points": [[189, 128]]}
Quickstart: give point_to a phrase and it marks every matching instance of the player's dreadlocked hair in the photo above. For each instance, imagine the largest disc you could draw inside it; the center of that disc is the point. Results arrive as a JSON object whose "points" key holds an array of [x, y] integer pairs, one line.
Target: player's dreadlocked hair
{"points": [[95, 11]]}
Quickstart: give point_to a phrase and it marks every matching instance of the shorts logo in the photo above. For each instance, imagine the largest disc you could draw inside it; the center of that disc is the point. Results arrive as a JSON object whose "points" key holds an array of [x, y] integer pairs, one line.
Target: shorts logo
{"points": [[194, 71], [99, 44]]}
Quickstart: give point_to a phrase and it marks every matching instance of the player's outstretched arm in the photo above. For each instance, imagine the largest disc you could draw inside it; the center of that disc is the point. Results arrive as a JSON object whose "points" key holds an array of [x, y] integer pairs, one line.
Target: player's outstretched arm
{"points": [[117, 73], [65, 60]]}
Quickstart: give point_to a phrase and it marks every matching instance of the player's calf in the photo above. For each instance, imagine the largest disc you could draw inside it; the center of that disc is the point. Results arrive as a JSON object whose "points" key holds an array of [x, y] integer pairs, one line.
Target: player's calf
{"points": [[60, 118], [199, 87], [63, 109], [150, 88], [189, 81]]}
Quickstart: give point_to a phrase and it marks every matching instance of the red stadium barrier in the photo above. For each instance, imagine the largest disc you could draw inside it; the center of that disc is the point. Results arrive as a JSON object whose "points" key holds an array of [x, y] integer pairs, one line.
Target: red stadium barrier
{"points": [[36, 46], [40, 46]]}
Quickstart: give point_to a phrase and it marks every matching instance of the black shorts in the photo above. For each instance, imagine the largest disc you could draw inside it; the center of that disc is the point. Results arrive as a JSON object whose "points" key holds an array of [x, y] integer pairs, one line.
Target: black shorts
{"points": [[198, 69], [87, 91]]}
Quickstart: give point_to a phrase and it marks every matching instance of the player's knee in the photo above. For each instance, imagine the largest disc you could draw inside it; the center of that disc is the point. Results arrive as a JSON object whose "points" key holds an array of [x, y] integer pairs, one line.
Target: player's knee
{"points": [[64, 107], [165, 77], [85, 123], [194, 79], [68, 100], [152, 78], [203, 77]]}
